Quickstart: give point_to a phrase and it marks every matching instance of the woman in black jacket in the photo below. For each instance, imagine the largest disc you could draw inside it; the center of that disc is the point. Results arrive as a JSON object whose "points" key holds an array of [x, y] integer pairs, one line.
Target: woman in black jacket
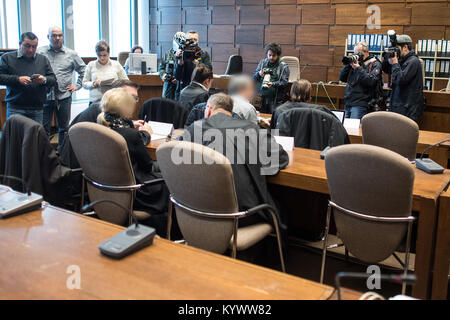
{"points": [[118, 106]]}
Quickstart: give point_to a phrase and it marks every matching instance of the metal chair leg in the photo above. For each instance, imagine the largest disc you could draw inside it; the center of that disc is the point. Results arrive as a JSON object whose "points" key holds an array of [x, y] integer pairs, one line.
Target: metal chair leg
{"points": [[169, 221], [408, 249], [234, 252], [280, 247], [325, 241]]}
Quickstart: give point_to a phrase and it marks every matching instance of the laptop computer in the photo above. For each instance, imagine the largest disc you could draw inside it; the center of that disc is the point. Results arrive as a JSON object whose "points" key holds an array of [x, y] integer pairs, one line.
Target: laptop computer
{"points": [[340, 114]]}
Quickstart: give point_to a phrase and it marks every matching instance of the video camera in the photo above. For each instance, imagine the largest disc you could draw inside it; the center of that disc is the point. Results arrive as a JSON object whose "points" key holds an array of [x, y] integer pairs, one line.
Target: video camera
{"points": [[390, 52], [189, 48], [268, 72], [354, 58]]}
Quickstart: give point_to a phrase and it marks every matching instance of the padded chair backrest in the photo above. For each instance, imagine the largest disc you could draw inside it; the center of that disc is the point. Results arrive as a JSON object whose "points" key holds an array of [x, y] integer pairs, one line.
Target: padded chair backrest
{"points": [[207, 186], [122, 57], [372, 181], [235, 65], [104, 158], [294, 67], [391, 131], [312, 128], [164, 110]]}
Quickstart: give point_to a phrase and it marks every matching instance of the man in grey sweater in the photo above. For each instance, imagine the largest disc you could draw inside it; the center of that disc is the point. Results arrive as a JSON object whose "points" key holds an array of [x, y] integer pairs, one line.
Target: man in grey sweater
{"points": [[28, 77]]}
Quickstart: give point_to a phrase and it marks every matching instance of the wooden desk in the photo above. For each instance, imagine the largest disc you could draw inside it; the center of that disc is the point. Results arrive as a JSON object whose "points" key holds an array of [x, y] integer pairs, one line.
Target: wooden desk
{"points": [[440, 154], [37, 249], [306, 171], [442, 252]]}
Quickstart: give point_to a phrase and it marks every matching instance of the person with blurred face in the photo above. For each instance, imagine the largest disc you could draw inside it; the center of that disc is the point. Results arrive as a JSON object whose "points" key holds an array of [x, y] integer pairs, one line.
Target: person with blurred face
{"points": [[100, 74], [135, 49], [273, 91], [28, 76], [64, 62]]}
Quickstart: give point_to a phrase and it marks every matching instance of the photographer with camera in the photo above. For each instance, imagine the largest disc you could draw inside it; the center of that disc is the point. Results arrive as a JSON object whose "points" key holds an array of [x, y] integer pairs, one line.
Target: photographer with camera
{"points": [[188, 56], [405, 70], [363, 75], [272, 76], [167, 68]]}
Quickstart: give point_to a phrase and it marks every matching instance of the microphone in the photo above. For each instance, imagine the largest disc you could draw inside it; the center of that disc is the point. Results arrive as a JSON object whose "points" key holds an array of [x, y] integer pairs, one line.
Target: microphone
{"points": [[428, 165], [24, 185], [394, 278], [303, 69], [132, 239]]}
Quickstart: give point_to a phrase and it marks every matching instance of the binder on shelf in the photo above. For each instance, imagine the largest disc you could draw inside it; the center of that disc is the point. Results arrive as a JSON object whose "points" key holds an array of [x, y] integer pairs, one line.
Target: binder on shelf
{"points": [[419, 47], [431, 68], [379, 39], [433, 48], [385, 41], [429, 48], [442, 69], [448, 49], [353, 41], [444, 48], [446, 71], [438, 69], [439, 48], [349, 42]]}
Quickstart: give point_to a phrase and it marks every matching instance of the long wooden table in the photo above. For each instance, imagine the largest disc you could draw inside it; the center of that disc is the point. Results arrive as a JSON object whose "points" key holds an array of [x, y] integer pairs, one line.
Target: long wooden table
{"points": [[306, 171], [436, 116], [442, 255], [38, 249], [440, 154]]}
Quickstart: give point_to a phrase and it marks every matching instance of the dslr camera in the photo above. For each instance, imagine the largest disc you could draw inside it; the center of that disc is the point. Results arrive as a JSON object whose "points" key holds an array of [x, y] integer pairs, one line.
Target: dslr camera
{"points": [[390, 52], [354, 58], [267, 76]]}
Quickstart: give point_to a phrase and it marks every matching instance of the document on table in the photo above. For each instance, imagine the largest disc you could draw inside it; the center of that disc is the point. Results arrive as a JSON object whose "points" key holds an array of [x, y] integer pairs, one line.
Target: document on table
{"points": [[352, 123], [161, 130], [286, 142]]}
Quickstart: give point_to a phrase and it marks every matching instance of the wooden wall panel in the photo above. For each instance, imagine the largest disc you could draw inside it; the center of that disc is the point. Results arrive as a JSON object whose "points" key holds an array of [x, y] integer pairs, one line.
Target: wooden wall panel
{"points": [[254, 15], [250, 34], [285, 15], [197, 15], [220, 34], [430, 16], [283, 34], [312, 35], [312, 30], [318, 14], [316, 55], [225, 15]]}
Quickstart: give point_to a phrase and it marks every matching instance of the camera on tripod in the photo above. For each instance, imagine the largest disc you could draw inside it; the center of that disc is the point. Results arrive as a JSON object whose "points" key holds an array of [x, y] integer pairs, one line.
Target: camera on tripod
{"points": [[354, 58], [392, 50], [267, 76]]}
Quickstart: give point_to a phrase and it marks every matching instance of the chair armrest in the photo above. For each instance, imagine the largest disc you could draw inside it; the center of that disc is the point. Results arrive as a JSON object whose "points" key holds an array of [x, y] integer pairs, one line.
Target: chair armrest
{"points": [[153, 182], [260, 208], [76, 170]]}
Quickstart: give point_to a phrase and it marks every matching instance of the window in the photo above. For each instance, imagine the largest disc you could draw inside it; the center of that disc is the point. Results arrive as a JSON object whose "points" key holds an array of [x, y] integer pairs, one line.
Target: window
{"points": [[86, 26], [120, 26], [45, 14], [9, 16]]}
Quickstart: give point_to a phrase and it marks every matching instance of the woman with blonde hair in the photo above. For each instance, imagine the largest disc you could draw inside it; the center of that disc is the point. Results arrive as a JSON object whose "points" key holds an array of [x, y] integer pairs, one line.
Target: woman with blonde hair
{"points": [[118, 107]]}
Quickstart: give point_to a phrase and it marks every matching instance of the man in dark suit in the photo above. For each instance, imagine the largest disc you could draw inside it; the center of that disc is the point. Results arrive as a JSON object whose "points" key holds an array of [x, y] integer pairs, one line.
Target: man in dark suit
{"points": [[253, 153], [198, 91]]}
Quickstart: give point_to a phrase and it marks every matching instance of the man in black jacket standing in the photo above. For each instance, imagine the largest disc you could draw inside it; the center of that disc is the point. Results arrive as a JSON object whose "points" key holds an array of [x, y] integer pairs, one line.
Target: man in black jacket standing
{"points": [[407, 80], [362, 78], [28, 77]]}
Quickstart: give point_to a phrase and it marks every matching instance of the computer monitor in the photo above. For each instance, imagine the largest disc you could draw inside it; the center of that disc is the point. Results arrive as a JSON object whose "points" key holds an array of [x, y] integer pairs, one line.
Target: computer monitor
{"points": [[340, 114], [136, 59]]}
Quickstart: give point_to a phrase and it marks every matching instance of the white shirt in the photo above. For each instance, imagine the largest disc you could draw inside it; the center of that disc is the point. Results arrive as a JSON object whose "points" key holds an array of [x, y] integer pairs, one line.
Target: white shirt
{"points": [[245, 109], [96, 71]]}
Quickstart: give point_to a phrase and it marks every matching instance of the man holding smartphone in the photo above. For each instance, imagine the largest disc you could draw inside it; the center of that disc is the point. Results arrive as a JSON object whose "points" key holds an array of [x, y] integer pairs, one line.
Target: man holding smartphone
{"points": [[28, 76]]}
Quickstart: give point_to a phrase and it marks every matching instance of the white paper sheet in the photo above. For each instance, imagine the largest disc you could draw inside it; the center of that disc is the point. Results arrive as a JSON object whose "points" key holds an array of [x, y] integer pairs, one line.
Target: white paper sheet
{"points": [[286, 142]]}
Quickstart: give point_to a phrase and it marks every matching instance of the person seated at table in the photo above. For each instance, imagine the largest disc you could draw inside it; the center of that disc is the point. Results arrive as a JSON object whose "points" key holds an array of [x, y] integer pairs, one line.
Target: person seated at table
{"points": [[300, 98], [242, 91], [118, 106], [250, 170], [198, 113], [100, 73], [198, 91], [135, 49]]}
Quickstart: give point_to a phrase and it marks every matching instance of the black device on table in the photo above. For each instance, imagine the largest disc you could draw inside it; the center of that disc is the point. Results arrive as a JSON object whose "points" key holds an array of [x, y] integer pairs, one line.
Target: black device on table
{"points": [[134, 238], [323, 155]]}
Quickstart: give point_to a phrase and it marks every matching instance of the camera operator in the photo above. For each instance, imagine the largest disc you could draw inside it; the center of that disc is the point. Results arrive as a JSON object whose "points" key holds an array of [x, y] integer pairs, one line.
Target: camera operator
{"points": [[402, 63], [272, 77], [189, 55], [362, 73], [167, 68]]}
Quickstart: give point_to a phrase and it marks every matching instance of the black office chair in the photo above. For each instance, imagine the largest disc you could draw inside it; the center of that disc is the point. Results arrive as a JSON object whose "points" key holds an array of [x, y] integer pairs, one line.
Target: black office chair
{"points": [[235, 65], [164, 110]]}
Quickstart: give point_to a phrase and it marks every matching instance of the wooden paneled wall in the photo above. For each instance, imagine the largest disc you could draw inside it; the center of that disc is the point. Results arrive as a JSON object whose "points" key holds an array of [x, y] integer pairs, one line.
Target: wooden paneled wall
{"points": [[313, 30]]}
